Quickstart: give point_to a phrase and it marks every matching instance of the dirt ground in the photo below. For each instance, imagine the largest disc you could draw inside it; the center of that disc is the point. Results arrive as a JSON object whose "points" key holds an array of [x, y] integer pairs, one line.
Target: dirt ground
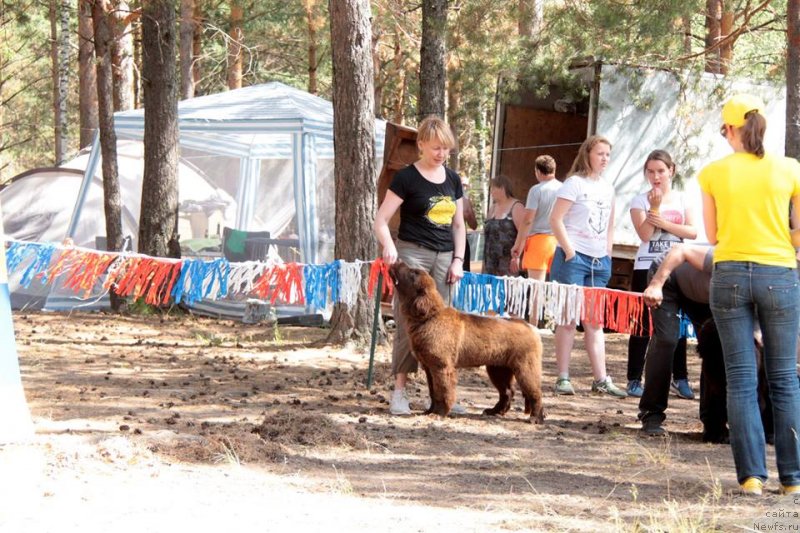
{"points": [[171, 423]]}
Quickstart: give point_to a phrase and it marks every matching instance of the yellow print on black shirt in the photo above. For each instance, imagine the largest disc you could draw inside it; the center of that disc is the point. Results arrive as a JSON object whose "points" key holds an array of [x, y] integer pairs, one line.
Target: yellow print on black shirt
{"points": [[442, 210]]}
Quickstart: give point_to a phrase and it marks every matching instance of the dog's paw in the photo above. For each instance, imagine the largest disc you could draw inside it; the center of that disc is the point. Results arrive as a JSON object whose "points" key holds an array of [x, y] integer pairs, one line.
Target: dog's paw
{"points": [[538, 419]]}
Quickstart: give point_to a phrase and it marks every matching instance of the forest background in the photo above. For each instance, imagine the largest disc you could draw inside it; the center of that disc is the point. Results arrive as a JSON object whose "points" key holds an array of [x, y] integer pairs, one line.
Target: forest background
{"points": [[48, 98]]}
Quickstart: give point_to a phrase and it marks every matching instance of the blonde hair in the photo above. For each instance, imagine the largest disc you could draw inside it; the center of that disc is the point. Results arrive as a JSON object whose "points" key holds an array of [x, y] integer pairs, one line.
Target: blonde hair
{"points": [[581, 165], [434, 128]]}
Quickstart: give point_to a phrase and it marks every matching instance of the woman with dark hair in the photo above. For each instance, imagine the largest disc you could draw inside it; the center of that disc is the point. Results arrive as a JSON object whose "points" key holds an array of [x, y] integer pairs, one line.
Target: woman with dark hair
{"points": [[661, 218], [745, 200], [500, 229]]}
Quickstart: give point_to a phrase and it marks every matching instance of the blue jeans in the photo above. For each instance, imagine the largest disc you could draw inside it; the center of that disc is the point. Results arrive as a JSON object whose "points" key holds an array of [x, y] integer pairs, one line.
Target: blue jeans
{"points": [[582, 269], [740, 292]]}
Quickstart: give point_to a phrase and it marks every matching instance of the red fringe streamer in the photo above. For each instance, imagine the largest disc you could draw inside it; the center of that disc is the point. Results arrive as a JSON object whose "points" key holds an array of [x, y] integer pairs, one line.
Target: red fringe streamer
{"points": [[619, 311], [284, 282], [379, 266], [145, 276]]}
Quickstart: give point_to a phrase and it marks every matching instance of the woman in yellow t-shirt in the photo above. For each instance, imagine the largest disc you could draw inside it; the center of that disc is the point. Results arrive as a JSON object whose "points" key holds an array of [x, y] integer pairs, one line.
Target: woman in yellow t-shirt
{"points": [[746, 198]]}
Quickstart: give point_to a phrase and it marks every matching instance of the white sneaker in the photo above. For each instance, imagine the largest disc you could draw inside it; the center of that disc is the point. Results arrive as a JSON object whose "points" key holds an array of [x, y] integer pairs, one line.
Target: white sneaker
{"points": [[457, 409], [399, 404]]}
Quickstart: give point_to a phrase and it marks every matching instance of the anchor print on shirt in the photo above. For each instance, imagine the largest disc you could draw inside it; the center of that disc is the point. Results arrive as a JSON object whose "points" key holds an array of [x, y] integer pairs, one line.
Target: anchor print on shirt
{"points": [[599, 214]]}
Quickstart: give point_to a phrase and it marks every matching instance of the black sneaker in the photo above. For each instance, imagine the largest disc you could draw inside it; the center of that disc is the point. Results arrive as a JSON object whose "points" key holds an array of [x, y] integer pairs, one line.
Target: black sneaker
{"points": [[652, 428]]}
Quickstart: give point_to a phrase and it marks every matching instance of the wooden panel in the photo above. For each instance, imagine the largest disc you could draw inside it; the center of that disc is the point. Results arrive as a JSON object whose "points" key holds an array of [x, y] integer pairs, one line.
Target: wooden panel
{"points": [[400, 150], [529, 133]]}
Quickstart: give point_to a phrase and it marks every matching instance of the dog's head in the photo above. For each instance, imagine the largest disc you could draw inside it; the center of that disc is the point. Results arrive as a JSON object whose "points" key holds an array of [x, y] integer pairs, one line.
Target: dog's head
{"points": [[416, 290]]}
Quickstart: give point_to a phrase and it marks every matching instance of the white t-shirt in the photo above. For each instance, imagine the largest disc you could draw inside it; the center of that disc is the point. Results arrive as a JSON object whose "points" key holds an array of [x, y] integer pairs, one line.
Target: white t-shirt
{"points": [[541, 197], [672, 211], [588, 218]]}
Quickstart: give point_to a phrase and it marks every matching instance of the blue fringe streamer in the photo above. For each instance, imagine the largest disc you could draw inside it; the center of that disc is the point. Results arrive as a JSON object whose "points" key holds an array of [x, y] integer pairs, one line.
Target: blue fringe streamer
{"points": [[197, 270], [479, 293], [19, 252], [318, 281]]}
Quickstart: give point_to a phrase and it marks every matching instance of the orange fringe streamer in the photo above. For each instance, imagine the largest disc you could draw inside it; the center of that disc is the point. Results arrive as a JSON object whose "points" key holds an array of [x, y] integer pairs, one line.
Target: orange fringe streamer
{"points": [[377, 267], [619, 311]]}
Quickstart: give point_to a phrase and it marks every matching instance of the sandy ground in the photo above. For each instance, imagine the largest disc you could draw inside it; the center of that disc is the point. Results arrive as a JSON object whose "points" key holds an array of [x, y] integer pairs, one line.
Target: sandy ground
{"points": [[176, 423]]}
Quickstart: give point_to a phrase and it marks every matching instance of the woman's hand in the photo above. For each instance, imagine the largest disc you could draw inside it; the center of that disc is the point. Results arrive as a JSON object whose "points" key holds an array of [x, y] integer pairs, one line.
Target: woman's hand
{"points": [[569, 254], [390, 253], [655, 219], [455, 272], [654, 198], [513, 266]]}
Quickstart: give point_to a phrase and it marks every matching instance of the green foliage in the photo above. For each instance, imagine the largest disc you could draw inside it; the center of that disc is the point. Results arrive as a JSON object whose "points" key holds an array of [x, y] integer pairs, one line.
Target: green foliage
{"points": [[26, 116]]}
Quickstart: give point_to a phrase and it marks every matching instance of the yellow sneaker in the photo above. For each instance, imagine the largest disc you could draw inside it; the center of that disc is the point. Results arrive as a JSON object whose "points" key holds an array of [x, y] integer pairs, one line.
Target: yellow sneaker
{"points": [[753, 486], [790, 489]]}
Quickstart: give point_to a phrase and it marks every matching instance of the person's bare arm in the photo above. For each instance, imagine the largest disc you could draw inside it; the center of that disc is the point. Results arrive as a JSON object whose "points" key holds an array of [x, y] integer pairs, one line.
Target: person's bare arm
{"points": [[680, 253], [560, 209], [391, 203], [523, 231]]}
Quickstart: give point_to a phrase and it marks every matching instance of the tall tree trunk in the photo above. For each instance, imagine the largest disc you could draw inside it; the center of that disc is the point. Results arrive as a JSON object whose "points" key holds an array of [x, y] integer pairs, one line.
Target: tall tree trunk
{"points": [[122, 50], [64, 67], [187, 48], [686, 22], [793, 79], [197, 43], [158, 219], [432, 58], [530, 18], [400, 69], [713, 34], [137, 61], [112, 203], [380, 79], [313, 23], [235, 45], [87, 74], [354, 155], [455, 89], [60, 59], [726, 46]]}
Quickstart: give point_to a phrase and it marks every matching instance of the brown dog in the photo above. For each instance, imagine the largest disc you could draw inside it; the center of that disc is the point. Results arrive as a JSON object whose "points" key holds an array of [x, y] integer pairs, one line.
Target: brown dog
{"points": [[444, 339]]}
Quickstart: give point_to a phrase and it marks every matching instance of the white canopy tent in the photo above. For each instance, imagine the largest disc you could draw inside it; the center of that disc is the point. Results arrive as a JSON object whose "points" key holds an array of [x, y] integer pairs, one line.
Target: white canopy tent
{"points": [[270, 147]]}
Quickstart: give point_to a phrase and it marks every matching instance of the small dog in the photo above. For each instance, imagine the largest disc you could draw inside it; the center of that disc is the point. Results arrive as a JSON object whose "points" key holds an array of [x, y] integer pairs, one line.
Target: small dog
{"points": [[714, 387], [444, 339]]}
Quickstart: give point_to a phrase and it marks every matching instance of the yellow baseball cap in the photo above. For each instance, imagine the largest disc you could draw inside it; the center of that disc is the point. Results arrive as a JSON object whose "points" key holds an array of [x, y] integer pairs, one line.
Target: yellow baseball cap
{"points": [[738, 106]]}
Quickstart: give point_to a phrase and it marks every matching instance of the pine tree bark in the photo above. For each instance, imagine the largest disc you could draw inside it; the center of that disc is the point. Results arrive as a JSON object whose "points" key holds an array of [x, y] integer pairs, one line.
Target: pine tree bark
{"points": [[187, 48], [112, 202], [122, 56], [235, 45], [713, 35], [354, 155], [530, 18], [793, 79], [60, 65], [158, 219], [87, 74], [313, 23], [432, 57], [197, 43]]}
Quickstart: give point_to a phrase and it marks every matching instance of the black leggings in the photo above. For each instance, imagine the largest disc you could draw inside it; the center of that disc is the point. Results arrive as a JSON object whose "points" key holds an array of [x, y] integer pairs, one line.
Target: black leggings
{"points": [[637, 345]]}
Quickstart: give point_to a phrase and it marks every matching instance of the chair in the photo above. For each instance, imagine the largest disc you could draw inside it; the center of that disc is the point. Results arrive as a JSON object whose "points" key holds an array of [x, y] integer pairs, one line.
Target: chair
{"points": [[238, 245]]}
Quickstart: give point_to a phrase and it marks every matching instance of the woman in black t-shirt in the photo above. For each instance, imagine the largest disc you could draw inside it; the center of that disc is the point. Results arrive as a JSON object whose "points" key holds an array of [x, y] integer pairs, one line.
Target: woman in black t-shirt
{"points": [[431, 235]]}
